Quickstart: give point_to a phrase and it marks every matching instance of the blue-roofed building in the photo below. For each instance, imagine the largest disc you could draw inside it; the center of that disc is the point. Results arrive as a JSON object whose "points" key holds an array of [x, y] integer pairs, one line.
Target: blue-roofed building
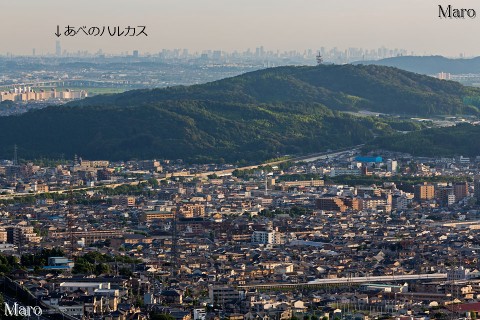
{"points": [[59, 263], [57, 268], [369, 159]]}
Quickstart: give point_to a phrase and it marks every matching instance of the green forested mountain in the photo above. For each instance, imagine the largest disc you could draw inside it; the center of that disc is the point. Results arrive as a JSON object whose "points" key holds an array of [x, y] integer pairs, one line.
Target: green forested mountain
{"points": [[462, 139], [197, 131], [338, 87], [252, 117]]}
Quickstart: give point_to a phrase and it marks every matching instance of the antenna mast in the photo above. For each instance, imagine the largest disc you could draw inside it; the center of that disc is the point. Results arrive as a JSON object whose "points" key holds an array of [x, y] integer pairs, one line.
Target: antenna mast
{"points": [[319, 59]]}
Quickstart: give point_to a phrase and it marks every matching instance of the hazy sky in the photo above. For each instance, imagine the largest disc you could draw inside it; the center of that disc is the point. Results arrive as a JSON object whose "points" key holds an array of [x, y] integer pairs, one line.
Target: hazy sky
{"points": [[240, 24]]}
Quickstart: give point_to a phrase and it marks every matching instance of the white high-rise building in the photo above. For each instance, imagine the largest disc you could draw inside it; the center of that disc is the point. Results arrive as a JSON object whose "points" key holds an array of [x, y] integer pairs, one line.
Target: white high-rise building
{"points": [[392, 166], [267, 237]]}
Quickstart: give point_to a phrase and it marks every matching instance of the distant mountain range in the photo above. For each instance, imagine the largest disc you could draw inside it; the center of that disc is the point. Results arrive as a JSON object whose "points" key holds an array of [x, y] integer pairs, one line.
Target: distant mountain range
{"points": [[248, 118], [429, 65]]}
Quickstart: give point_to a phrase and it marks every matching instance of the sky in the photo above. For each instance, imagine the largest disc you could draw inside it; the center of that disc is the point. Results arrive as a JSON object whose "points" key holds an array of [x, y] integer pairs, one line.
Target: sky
{"points": [[240, 24]]}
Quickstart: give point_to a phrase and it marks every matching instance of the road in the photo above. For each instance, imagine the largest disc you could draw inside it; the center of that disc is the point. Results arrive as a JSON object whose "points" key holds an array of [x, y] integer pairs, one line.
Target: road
{"points": [[112, 185], [307, 158]]}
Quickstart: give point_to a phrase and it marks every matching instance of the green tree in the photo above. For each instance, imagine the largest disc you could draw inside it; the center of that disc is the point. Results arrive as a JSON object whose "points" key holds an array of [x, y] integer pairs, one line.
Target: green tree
{"points": [[127, 272], [161, 316], [153, 182], [102, 268]]}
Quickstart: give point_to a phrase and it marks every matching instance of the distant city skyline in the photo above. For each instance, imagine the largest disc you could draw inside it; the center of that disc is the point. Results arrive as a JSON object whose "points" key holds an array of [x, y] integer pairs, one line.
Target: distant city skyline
{"points": [[260, 51], [226, 25]]}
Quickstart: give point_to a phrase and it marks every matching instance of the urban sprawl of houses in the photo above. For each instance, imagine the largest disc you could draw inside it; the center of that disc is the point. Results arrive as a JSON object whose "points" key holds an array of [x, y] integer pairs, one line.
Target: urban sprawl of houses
{"points": [[340, 237]]}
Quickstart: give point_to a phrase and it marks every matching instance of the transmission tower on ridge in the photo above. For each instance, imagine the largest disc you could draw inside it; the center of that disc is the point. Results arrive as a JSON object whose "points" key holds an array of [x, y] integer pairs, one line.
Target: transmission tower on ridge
{"points": [[319, 59]]}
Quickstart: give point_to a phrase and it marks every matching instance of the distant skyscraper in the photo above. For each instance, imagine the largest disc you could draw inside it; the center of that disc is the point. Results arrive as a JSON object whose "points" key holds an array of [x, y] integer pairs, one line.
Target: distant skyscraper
{"points": [[33, 52], [58, 49], [135, 53]]}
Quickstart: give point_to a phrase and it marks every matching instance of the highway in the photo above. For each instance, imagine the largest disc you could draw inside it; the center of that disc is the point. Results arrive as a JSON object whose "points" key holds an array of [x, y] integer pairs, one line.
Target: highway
{"points": [[307, 158], [204, 175], [113, 185]]}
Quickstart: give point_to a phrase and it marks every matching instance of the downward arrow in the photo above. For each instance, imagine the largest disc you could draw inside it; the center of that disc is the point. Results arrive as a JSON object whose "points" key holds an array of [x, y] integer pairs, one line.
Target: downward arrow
{"points": [[58, 34]]}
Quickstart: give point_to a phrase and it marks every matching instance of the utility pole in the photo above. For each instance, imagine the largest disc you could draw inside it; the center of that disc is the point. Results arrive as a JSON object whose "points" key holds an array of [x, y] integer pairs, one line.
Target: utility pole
{"points": [[173, 260], [69, 221], [15, 155], [266, 184]]}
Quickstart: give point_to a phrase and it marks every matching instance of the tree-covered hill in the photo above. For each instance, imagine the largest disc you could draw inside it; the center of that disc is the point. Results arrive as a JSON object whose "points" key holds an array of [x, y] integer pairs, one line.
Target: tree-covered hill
{"points": [[462, 139], [338, 87], [197, 131], [248, 118]]}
